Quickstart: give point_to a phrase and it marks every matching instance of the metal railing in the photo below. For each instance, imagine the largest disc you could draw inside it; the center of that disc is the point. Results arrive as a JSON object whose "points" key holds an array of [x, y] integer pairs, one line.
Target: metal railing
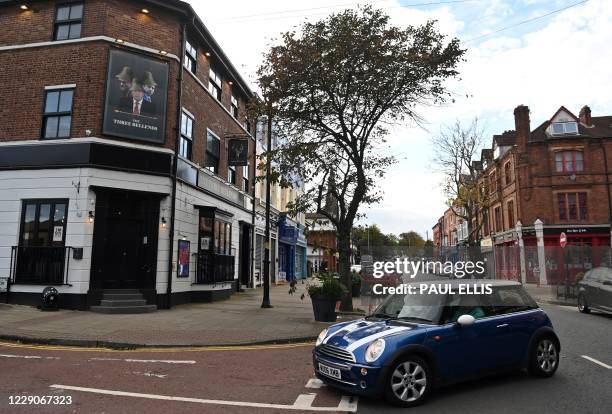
{"points": [[39, 265], [214, 268]]}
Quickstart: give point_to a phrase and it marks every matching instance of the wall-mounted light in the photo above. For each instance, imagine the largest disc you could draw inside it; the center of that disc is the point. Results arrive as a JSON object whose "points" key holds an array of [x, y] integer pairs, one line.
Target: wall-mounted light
{"points": [[163, 52], [145, 11], [24, 7], [91, 216], [231, 83], [207, 54], [163, 222], [120, 41]]}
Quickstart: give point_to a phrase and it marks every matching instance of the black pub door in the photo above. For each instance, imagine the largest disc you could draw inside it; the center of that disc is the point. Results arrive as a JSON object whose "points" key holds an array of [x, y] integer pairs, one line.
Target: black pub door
{"points": [[124, 252], [245, 255]]}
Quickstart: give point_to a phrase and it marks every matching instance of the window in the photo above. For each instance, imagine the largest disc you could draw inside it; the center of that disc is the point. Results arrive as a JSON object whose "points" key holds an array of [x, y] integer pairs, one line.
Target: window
{"points": [[231, 174], [186, 136], [569, 161], [234, 107], [245, 178], [493, 182], [508, 172], [213, 150], [68, 19], [223, 237], [191, 57], [43, 223], [498, 219], [214, 84], [572, 206], [511, 222], [57, 118], [41, 253], [564, 128]]}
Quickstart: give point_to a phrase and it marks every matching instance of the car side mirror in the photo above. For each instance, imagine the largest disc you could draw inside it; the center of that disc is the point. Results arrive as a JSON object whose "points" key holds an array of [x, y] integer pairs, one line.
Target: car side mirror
{"points": [[466, 320]]}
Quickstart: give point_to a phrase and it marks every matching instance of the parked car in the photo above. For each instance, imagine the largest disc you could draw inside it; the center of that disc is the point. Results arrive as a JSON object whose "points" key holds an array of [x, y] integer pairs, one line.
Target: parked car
{"points": [[595, 290], [412, 343]]}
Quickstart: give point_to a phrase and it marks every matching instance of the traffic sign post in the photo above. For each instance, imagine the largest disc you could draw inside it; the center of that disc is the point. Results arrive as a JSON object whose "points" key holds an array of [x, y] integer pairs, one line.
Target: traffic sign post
{"points": [[563, 243]]}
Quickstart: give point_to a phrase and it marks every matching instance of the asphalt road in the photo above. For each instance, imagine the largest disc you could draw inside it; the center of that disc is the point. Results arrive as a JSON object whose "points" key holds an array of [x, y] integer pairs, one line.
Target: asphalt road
{"points": [[279, 380], [579, 386]]}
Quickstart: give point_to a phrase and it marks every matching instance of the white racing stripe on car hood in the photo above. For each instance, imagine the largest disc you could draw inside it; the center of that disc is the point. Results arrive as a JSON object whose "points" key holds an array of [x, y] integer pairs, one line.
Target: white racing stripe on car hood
{"points": [[349, 328], [376, 336]]}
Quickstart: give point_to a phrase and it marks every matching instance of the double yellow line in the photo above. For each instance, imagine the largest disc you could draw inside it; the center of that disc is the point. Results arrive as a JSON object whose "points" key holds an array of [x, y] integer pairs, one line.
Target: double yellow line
{"points": [[158, 350]]}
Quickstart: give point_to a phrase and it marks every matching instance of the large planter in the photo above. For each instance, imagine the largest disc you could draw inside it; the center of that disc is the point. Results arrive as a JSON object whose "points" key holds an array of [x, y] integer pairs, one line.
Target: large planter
{"points": [[324, 308]]}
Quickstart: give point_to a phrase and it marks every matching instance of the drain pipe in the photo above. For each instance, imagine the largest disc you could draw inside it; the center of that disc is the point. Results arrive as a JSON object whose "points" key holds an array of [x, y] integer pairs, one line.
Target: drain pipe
{"points": [[179, 111]]}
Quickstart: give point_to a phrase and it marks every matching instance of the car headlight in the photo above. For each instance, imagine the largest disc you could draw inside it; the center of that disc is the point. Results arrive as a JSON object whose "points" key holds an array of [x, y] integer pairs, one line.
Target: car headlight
{"points": [[321, 337], [375, 350]]}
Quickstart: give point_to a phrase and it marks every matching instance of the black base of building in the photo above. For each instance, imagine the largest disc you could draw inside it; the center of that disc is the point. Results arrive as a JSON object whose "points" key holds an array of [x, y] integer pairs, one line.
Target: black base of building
{"points": [[66, 301], [93, 298]]}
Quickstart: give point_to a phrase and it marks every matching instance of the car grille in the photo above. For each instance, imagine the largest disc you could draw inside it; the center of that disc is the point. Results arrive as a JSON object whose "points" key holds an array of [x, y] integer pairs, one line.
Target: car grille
{"points": [[335, 352]]}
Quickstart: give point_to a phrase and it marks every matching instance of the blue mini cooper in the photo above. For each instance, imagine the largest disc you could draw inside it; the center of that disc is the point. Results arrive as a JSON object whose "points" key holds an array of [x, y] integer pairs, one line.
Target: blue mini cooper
{"points": [[415, 342]]}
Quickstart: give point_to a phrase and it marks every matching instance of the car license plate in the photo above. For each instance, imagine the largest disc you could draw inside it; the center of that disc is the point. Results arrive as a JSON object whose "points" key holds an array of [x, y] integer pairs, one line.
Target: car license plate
{"points": [[329, 371]]}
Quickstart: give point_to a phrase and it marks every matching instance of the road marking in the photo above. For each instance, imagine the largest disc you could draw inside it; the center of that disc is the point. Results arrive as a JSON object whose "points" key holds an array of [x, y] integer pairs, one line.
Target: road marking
{"points": [[315, 383], [345, 405], [593, 360], [207, 348], [304, 401], [348, 404], [26, 356], [150, 374], [162, 361]]}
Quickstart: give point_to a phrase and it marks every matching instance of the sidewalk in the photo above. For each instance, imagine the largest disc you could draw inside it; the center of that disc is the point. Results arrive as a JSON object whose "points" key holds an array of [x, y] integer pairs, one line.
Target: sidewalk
{"points": [[238, 320], [547, 294]]}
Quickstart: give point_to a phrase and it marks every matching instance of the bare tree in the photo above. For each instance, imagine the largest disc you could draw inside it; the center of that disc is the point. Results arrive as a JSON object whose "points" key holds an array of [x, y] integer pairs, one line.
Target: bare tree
{"points": [[456, 151]]}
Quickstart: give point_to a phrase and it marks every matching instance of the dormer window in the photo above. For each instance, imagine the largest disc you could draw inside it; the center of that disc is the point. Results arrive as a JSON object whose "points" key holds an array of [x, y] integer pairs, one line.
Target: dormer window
{"points": [[564, 128]]}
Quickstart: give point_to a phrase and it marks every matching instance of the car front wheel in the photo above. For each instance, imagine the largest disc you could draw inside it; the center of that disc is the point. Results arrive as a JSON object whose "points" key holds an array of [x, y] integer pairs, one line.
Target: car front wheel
{"points": [[409, 383], [583, 306], [544, 357]]}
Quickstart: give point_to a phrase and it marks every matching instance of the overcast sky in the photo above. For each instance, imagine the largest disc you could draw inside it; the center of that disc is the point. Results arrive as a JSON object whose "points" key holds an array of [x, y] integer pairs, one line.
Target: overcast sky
{"points": [[561, 59]]}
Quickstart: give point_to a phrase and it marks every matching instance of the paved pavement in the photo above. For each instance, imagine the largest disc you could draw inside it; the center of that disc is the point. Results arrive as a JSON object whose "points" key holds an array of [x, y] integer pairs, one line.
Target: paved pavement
{"points": [[278, 379], [238, 320], [548, 294]]}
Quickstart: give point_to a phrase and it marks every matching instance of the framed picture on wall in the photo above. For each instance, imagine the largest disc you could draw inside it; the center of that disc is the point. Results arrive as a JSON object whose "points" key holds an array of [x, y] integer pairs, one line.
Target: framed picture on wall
{"points": [[183, 258]]}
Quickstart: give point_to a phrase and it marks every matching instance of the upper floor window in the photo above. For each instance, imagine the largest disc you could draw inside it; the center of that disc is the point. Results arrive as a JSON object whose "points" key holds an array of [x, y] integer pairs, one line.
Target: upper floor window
{"points": [[508, 172], [214, 84], [57, 118], [511, 222], [68, 21], [562, 128], [245, 178], [213, 150], [498, 219], [234, 107], [186, 136], [191, 57], [231, 174], [493, 182], [569, 161], [572, 206]]}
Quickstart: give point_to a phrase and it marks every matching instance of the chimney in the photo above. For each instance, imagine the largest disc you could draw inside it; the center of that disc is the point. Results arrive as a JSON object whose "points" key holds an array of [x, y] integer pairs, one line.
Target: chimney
{"points": [[522, 126], [585, 116]]}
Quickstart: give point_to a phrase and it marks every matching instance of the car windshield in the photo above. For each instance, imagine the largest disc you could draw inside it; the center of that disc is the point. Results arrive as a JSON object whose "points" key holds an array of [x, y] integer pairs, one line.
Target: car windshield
{"points": [[425, 308]]}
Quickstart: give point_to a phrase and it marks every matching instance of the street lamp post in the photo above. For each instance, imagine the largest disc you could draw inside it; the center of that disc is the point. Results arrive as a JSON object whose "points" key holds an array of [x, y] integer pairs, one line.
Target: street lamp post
{"points": [[266, 282]]}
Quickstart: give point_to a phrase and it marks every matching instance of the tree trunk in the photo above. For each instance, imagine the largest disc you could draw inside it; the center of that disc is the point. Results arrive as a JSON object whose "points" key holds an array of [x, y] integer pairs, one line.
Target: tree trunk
{"points": [[344, 268]]}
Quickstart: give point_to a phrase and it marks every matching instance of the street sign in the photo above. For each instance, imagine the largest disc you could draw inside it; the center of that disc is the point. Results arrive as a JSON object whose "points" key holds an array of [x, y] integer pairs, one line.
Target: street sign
{"points": [[563, 239]]}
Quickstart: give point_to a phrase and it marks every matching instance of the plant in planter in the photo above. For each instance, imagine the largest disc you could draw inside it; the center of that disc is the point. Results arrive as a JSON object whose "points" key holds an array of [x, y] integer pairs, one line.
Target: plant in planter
{"points": [[324, 292], [356, 285]]}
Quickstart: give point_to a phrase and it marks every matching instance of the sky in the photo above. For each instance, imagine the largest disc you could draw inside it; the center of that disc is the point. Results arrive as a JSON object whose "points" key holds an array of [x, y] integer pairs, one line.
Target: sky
{"points": [[513, 57]]}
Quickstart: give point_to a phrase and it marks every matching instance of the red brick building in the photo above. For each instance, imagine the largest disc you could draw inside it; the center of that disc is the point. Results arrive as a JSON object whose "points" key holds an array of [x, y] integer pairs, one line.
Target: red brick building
{"points": [[545, 182], [115, 120], [322, 242]]}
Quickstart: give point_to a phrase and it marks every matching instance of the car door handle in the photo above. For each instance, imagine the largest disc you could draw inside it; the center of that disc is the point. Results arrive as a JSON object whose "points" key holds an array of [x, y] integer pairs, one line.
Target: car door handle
{"points": [[503, 325]]}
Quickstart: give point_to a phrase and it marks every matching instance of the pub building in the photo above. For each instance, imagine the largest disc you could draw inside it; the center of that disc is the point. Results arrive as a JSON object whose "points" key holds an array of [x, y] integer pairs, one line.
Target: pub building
{"points": [[548, 196], [125, 175]]}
